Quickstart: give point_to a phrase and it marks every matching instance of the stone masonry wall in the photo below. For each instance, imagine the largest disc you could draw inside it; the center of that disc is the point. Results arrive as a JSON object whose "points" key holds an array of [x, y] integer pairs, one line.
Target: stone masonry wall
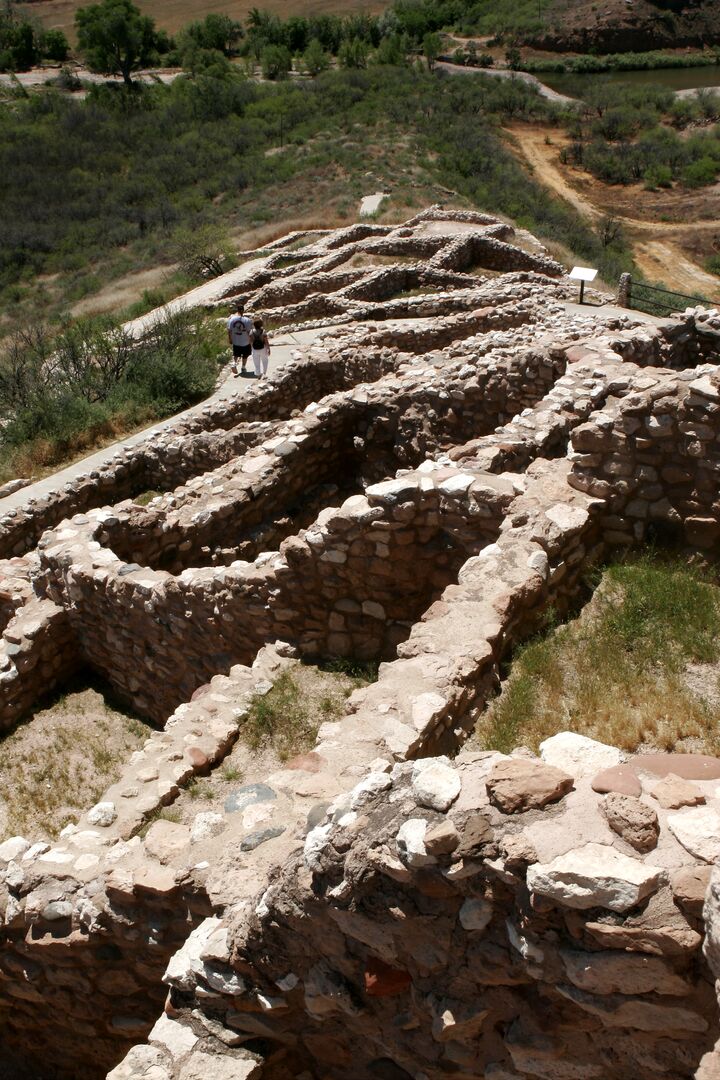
{"points": [[371, 909]]}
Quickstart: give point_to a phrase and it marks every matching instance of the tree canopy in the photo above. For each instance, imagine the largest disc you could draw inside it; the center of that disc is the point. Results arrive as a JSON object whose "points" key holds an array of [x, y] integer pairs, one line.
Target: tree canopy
{"points": [[116, 38]]}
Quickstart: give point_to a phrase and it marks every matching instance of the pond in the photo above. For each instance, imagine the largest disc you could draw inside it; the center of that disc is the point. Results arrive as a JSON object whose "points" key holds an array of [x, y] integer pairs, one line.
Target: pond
{"points": [[673, 78]]}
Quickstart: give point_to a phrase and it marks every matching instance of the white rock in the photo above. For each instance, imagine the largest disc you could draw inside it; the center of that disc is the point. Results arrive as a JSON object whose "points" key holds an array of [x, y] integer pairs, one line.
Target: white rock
{"points": [[14, 848], [577, 755], [206, 825], [315, 843], [141, 1063], [426, 709], [103, 813], [175, 1037], [455, 485], [698, 830], [595, 875], [436, 786], [187, 962], [410, 843], [570, 518], [200, 1066], [370, 786], [475, 914]]}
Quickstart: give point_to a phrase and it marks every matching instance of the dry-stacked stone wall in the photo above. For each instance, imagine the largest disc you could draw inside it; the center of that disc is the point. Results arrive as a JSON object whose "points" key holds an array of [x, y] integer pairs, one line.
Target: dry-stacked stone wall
{"points": [[421, 489], [494, 917]]}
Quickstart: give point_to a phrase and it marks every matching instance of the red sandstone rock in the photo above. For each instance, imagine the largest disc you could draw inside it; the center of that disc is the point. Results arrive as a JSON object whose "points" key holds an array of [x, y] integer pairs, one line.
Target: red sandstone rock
{"points": [[620, 778], [673, 793], [689, 886], [633, 820], [381, 980], [516, 785], [686, 766], [198, 759]]}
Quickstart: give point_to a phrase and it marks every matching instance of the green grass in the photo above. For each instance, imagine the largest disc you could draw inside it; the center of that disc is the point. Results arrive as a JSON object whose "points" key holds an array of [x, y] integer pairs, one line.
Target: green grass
{"points": [[619, 672], [287, 718], [281, 720], [146, 497]]}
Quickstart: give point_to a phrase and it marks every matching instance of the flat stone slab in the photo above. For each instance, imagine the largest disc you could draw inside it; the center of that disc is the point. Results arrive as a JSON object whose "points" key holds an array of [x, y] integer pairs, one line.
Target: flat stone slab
{"points": [[698, 830], [686, 766], [247, 795], [621, 779], [577, 755], [595, 875]]}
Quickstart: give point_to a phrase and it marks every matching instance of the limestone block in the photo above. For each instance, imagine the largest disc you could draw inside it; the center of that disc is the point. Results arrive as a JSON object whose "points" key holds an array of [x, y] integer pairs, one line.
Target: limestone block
{"points": [[235, 1066], [595, 876], [435, 784], [698, 830], [578, 755]]}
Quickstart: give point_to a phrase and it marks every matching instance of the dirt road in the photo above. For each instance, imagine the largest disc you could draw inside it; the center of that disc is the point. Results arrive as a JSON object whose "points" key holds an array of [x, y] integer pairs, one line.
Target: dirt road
{"points": [[657, 245]]}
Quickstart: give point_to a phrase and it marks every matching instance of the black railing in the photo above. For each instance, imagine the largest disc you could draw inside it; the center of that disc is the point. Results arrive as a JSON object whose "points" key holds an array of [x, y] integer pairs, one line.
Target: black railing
{"points": [[657, 301]]}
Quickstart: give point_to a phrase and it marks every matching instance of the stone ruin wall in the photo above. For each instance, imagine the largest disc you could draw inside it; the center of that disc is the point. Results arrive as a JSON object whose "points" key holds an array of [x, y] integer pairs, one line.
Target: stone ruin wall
{"points": [[357, 914]]}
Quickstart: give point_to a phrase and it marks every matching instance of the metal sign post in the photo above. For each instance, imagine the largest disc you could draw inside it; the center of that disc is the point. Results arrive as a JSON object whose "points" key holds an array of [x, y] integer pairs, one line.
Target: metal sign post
{"points": [[582, 274]]}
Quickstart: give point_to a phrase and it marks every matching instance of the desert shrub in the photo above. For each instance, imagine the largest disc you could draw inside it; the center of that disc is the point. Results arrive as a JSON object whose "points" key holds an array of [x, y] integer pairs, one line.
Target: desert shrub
{"points": [[657, 176], [701, 172], [61, 391]]}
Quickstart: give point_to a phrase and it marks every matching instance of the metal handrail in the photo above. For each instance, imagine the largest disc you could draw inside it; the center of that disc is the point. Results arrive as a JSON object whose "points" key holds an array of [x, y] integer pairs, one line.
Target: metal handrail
{"points": [[667, 292]]}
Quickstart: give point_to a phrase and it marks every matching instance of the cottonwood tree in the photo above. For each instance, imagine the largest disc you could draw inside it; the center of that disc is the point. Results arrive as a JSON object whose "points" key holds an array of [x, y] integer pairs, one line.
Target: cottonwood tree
{"points": [[315, 59], [116, 38]]}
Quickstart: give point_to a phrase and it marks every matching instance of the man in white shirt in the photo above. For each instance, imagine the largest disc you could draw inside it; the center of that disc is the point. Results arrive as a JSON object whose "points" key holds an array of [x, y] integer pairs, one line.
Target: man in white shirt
{"points": [[239, 328]]}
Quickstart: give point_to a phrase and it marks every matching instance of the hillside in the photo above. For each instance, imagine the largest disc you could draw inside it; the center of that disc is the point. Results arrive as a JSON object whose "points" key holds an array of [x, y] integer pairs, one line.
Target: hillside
{"points": [[171, 15], [629, 25]]}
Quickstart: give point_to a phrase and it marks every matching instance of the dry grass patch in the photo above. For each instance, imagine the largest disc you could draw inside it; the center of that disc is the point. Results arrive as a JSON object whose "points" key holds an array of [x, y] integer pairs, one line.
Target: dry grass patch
{"points": [[640, 667], [57, 765], [279, 725]]}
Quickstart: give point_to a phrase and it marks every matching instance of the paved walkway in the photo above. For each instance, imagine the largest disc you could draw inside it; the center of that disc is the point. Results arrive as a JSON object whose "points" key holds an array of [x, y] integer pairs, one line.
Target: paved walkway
{"points": [[209, 292], [282, 348]]}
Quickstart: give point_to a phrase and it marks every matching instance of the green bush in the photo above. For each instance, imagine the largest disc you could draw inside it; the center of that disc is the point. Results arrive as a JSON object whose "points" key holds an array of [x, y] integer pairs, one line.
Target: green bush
{"points": [[657, 176], [275, 62], [700, 173]]}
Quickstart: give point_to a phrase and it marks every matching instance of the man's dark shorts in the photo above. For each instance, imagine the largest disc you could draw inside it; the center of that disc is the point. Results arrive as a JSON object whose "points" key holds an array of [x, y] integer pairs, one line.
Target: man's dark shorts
{"points": [[242, 351]]}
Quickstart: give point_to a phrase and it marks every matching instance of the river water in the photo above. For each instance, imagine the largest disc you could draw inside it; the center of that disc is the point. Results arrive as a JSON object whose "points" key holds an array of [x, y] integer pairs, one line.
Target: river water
{"points": [[673, 78]]}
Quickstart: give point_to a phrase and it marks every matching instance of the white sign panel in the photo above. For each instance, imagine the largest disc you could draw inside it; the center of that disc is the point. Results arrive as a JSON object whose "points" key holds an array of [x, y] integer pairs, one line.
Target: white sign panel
{"points": [[582, 273]]}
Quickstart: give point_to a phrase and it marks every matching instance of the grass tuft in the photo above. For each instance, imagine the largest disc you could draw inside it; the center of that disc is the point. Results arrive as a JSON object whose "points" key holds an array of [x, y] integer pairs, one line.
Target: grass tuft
{"points": [[636, 668]]}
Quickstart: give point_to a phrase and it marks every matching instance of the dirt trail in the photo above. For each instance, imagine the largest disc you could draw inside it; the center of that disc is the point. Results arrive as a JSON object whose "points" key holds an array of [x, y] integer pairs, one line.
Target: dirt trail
{"points": [[652, 241]]}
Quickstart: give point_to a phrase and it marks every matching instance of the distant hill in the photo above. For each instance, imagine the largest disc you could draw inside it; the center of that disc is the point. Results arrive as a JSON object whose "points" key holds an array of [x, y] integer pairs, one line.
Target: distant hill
{"points": [[628, 25]]}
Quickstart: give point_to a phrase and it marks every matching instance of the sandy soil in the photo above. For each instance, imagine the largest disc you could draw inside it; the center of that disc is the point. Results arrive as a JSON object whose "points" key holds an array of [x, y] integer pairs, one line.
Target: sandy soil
{"points": [[667, 250], [60, 761]]}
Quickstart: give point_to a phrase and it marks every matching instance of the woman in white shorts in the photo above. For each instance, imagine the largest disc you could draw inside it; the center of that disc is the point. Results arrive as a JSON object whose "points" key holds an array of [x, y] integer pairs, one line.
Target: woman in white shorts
{"points": [[260, 348]]}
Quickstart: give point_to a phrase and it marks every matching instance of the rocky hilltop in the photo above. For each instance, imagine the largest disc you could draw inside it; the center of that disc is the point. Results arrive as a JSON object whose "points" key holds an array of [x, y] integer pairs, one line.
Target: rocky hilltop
{"points": [[629, 25], [463, 442]]}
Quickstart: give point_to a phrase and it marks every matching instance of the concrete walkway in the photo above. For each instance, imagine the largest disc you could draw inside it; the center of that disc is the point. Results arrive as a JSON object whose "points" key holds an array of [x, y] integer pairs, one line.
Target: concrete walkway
{"points": [[282, 348], [209, 292]]}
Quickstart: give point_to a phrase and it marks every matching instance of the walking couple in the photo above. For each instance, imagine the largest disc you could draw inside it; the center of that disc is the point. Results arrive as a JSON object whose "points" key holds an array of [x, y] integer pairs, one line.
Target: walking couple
{"points": [[248, 338]]}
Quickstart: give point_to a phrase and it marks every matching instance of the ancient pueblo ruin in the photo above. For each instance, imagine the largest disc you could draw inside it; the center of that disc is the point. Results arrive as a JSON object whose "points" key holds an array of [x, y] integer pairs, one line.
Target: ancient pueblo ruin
{"points": [[419, 486]]}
